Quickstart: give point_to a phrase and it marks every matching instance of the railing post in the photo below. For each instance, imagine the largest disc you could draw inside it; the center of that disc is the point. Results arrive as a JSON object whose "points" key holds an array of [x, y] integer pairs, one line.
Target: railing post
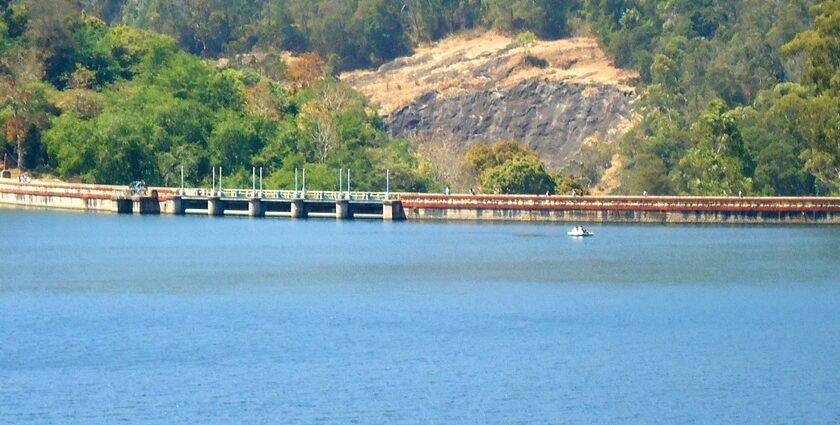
{"points": [[220, 182], [213, 182]]}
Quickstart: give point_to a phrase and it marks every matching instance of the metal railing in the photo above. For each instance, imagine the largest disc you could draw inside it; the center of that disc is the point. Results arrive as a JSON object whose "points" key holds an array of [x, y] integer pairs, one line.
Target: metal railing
{"points": [[314, 195]]}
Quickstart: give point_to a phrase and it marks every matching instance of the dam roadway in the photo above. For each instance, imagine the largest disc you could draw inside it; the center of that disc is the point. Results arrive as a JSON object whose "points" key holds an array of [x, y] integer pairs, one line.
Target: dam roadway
{"points": [[421, 206]]}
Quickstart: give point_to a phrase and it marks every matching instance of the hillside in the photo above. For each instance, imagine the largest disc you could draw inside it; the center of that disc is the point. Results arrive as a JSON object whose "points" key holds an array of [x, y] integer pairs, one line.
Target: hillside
{"points": [[482, 88], [736, 96]]}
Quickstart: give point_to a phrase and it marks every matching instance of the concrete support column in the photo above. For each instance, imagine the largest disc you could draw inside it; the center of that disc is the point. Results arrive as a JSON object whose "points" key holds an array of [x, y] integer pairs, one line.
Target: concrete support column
{"points": [[299, 209], [215, 206], [343, 209], [392, 211], [145, 205], [173, 205], [255, 207]]}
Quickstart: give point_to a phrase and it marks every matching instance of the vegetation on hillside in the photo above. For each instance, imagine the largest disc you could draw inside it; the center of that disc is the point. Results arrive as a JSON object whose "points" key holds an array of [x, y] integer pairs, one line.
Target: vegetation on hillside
{"points": [[119, 104], [349, 33], [737, 95]]}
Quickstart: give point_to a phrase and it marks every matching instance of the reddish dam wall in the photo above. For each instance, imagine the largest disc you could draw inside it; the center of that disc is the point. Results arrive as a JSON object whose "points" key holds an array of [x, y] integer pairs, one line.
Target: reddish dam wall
{"points": [[630, 209]]}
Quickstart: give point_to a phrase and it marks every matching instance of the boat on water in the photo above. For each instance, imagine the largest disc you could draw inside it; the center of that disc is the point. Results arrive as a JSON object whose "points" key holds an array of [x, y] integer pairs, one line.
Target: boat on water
{"points": [[580, 231]]}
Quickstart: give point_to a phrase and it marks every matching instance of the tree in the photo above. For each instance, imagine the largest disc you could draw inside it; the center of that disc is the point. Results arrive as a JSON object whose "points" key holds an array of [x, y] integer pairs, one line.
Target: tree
{"points": [[525, 175], [50, 29], [507, 167], [715, 165], [307, 69], [525, 39], [821, 47], [820, 125], [17, 101]]}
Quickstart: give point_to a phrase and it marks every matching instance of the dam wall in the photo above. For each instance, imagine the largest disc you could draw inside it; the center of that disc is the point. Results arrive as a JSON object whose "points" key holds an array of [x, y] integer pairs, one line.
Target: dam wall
{"points": [[420, 206], [92, 198], [627, 209], [85, 197]]}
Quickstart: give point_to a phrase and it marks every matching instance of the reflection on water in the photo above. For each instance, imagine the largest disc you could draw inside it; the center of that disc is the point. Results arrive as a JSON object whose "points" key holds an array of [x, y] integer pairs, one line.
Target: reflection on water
{"points": [[190, 319]]}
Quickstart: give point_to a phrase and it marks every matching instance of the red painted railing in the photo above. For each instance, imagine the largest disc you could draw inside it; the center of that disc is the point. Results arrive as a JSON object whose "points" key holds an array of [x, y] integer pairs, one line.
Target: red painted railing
{"points": [[623, 203]]}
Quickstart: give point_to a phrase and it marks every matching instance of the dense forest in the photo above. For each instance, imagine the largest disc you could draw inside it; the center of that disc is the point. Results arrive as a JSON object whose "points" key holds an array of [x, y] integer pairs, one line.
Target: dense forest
{"points": [[736, 95], [87, 101]]}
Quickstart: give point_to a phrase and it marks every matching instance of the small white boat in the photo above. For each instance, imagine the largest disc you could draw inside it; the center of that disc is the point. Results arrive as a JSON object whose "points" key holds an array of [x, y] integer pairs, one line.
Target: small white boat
{"points": [[580, 232]]}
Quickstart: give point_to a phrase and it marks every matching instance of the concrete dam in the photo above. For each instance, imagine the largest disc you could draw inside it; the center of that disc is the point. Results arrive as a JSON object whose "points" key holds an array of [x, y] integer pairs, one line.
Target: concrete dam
{"points": [[421, 206]]}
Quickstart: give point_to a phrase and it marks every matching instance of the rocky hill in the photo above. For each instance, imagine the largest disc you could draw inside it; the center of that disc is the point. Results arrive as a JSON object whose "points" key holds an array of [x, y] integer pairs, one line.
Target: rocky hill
{"points": [[553, 96]]}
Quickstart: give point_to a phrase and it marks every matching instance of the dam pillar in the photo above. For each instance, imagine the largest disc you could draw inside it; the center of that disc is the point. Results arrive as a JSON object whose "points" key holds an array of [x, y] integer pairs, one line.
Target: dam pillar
{"points": [[342, 209], [392, 211], [145, 205], [256, 207], [299, 208], [215, 206], [174, 205]]}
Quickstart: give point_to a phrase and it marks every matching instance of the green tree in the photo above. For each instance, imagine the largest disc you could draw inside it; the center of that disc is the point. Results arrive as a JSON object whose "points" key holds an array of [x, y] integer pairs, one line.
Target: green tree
{"points": [[525, 175], [715, 165]]}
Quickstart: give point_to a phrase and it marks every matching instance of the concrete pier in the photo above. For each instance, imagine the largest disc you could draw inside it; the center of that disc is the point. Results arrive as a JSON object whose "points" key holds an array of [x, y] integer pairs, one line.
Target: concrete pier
{"points": [[215, 206], [255, 207], [343, 209], [299, 209], [173, 205], [145, 205], [392, 211]]}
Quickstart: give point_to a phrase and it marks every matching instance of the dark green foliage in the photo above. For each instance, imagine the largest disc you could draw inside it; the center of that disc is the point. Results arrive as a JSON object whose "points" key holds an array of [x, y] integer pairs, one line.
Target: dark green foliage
{"points": [[507, 167], [719, 113], [132, 106]]}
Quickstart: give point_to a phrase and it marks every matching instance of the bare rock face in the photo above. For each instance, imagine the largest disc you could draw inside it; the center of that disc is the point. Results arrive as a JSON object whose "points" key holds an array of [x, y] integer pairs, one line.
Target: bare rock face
{"points": [[553, 96], [554, 118]]}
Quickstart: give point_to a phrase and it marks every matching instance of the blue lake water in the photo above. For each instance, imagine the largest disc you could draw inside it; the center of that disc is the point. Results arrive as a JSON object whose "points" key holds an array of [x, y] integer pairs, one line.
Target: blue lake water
{"points": [[172, 320]]}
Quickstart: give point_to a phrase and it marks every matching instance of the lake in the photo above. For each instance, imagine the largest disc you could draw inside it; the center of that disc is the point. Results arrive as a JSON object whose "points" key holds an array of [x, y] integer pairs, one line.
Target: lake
{"points": [[171, 320]]}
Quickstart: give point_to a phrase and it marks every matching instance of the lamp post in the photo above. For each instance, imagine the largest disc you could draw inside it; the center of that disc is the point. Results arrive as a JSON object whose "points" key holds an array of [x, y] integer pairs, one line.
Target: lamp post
{"points": [[387, 184]]}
